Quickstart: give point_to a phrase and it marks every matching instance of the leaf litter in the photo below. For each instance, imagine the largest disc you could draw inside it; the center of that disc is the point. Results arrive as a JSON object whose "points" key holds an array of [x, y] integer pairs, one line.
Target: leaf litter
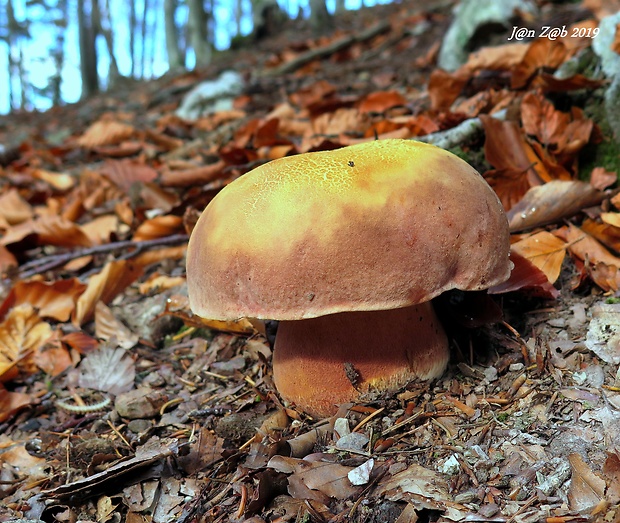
{"points": [[116, 403]]}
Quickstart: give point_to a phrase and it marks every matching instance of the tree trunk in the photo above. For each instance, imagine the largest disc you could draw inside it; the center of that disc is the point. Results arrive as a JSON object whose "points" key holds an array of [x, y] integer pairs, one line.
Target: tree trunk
{"points": [[175, 58], [320, 19], [104, 26], [88, 50], [197, 25], [58, 55]]}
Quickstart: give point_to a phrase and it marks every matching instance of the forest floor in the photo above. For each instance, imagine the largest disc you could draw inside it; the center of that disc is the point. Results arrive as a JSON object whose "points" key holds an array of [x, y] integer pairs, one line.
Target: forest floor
{"points": [[116, 404]]}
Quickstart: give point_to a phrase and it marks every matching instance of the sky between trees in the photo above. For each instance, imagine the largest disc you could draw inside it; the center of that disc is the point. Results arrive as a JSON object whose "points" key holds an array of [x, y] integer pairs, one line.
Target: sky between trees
{"points": [[56, 51]]}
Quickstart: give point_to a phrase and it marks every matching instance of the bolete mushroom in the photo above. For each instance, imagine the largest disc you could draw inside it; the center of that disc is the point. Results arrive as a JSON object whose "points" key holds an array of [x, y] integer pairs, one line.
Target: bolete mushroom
{"points": [[346, 248]]}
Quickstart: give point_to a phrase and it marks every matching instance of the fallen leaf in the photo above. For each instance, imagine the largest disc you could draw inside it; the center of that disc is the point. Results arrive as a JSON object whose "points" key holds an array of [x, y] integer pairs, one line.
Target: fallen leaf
{"points": [[105, 132], [542, 53], [21, 333], [159, 227], [113, 279], [125, 173], [13, 208], [50, 230], [586, 488], [52, 299], [10, 403], [59, 181], [552, 202], [601, 178], [160, 282], [544, 250], [381, 101], [108, 370], [109, 328], [525, 276]]}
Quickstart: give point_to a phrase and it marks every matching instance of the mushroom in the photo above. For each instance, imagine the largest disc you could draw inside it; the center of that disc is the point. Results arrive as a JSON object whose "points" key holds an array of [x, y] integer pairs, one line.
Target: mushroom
{"points": [[346, 248]]}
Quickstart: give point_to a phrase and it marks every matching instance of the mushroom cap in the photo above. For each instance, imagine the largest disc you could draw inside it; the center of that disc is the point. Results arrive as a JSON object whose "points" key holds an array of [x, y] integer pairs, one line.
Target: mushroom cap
{"points": [[374, 226]]}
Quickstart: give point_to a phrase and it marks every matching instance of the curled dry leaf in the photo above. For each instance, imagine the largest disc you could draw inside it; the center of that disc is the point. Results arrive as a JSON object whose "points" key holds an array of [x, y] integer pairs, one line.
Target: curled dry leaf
{"points": [[160, 282], [159, 227], [496, 58], [109, 328], [101, 229], [544, 250], [542, 53], [13, 208], [444, 88], [551, 202], [7, 260], [105, 132], [59, 181], [193, 176], [108, 370], [48, 230], [113, 279], [21, 333], [80, 341], [52, 299]]}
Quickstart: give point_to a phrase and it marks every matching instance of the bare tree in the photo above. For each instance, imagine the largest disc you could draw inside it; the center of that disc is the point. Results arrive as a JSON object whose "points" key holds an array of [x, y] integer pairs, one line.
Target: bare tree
{"points": [[57, 52], [198, 29], [88, 50], [176, 58], [15, 34]]}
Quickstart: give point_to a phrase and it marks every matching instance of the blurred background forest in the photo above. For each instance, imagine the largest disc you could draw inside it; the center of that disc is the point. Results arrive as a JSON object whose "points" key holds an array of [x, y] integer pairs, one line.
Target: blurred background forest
{"points": [[58, 51]]}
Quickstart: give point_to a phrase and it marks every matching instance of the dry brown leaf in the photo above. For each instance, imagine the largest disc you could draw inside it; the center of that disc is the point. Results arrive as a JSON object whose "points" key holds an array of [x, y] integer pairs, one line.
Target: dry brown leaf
{"points": [[102, 228], [551, 202], [113, 279], [381, 101], [611, 469], [124, 173], [159, 227], [59, 181], [444, 88], [193, 176], [601, 178], [13, 208], [160, 282], [80, 341], [611, 218], [21, 333], [48, 230], [517, 168], [586, 488], [313, 93], [525, 276], [10, 403], [499, 57], [109, 328], [53, 359], [542, 53], [7, 260], [109, 370], [319, 480], [601, 264], [157, 255], [105, 132], [544, 250], [52, 299]]}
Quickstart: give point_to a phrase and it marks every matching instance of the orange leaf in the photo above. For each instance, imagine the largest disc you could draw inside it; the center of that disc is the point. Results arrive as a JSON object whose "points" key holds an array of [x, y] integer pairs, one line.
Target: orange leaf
{"points": [[11, 402], [159, 227], [544, 250], [52, 300], [444, 88], [48, 230], [381, 101], [542, 53], [59, 181], [112, 280], [13, 208], [21, 333], [105, 132], [601, 178], [193, 176], [124, 173]]}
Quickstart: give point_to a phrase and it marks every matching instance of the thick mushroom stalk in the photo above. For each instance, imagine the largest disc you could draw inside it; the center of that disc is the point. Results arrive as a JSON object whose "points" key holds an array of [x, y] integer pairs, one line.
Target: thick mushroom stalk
{"points": [[320, 240], [326, 361]]}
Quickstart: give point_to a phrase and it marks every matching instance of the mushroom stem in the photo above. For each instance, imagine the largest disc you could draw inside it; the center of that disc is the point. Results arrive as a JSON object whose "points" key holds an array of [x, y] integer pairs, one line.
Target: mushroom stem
{"points": [[319, 363]]}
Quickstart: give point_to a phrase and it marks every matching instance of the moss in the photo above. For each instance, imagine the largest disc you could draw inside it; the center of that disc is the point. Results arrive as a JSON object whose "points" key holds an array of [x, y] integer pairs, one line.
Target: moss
{"points": [[474, 157], [612, 300], [605, 154]]}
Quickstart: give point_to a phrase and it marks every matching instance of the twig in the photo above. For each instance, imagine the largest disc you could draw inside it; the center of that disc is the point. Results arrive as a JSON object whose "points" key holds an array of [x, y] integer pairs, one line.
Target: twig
{"points": [[31, 268], [334, 47]]}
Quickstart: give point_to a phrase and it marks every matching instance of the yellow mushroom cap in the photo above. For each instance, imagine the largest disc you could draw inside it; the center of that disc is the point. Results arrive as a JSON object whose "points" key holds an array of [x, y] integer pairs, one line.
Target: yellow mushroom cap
{"points": [[379, 225]]}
